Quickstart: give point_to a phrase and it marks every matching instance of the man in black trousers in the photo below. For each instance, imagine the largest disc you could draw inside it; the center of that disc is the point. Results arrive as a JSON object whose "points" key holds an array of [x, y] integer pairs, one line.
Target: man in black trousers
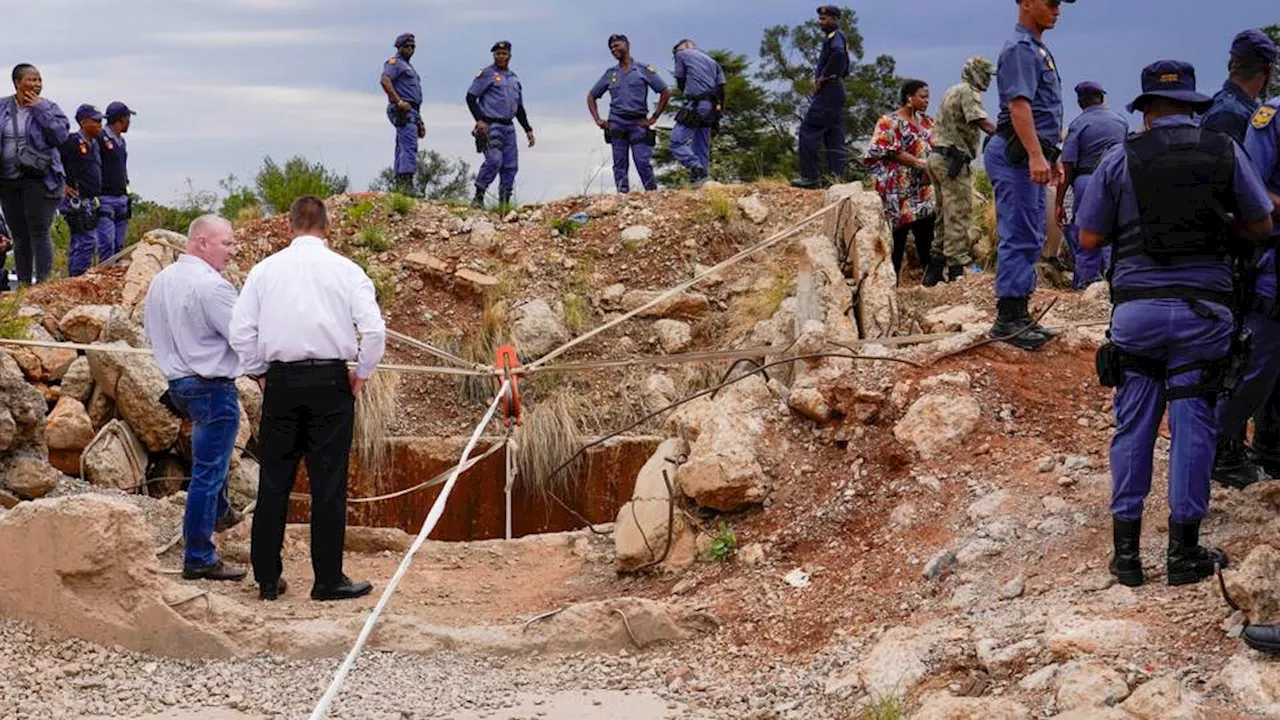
{"points": [[295, 327]]}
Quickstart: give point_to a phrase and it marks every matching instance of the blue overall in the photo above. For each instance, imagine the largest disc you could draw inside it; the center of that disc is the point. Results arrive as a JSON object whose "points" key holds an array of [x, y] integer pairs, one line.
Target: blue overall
{"points": [[1026, 70], [1173, 331], [823, 124], [83, 165], [115, 187], [1256, 395], [700, 76], [1089, 137], [500, 96], [628, 90], [405, 81]]}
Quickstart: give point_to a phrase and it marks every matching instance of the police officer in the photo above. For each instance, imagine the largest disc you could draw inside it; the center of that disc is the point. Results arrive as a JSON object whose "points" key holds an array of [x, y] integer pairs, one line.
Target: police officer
{"points": [[115, 202], [90, 229], [1021, 159], [404, 101], [1089, 137], [961, 119], [1165, 199], [1234, 463], [495, 98], [823, 124], [629, 128], [1253, 57], [702, 81]]}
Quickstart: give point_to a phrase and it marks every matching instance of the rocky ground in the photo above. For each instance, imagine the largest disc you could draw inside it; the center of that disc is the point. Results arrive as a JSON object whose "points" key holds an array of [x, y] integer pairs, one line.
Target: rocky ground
{"points": [[866, 538]]}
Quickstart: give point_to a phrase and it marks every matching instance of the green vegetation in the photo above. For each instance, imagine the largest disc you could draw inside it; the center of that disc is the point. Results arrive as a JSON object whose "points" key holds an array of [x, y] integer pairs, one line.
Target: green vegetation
{"points": [[565, 226], [885, 708], [721, 205], [384, 286], [437, 178], [374, 238], [12, 325], [359, 212], [723, 545], [279, 185], [577, 312], [400, 204], [241, 203]]}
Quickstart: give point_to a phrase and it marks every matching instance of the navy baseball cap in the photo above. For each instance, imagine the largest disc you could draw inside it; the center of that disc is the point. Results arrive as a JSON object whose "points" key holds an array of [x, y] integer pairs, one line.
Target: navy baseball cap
{"points": [[1255, 44], [1089, 87], [829, 10], [501, 45], [88, 112], [616, 37], [405, 39], [117, 109], [1172, 80], [1019, 2]]}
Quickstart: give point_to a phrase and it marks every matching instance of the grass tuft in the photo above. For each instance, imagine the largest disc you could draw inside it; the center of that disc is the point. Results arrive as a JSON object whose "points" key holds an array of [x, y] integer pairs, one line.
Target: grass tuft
{"points": [[374, 239], [400, 204], [375, 415]]}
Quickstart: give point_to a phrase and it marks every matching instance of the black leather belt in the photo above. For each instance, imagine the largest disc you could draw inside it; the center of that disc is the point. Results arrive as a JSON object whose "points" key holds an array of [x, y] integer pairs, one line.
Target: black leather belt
{"points": [[306, 363]]}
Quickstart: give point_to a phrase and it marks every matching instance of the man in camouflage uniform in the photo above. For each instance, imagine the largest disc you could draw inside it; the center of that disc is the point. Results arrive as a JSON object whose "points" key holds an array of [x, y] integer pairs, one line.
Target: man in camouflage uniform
{"points": [[955, 140]]}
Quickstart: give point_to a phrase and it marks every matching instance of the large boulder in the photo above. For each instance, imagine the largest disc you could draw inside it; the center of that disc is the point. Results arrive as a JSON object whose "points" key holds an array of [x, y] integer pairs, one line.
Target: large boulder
{"points": [[123, 325], [538, 329], [77, 383], [644, 533], [942, 706], [68, 430], [1254, 585], [54, 362], [1089, 683], [754, 208], [83, 323], [723, 470], [938, 420], [135, 383], [25, 408], [8, 429], [892, 669], [683, 305], [859, 226], [117, 460], [250, 403], [155, 251], [242, 483], [673, 335], [32, 479], [1253, 684]]}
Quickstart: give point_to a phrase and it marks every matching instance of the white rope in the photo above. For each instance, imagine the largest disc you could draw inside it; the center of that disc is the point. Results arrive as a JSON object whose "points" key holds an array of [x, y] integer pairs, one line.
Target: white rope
{"points": [[428, 525]]}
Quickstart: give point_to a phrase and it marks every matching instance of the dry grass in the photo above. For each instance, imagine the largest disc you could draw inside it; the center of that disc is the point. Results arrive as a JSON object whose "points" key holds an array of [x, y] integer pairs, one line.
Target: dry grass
{"points": [[720, 205], [482, 347], [12, 325], [761, 305], [375, 414], [547, 438]]}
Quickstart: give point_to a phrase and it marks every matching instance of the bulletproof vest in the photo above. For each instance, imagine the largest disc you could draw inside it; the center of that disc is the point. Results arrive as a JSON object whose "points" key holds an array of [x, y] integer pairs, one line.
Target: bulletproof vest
{"points": [[115, 173], [1183, 179]]}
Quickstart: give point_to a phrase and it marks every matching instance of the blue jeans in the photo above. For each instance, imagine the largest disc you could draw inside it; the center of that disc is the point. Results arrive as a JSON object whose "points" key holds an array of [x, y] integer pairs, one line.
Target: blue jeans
{"points": [[214, 409]]}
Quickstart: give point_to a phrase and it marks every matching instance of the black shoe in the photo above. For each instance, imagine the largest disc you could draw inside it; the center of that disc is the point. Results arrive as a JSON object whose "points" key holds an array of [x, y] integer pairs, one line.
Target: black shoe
{"points": [[504, 201], [1263, 638], [216, 571], [1126, 562], [230, 519], [404, 183], [806, 183], [477, 202], [697, 177], [1188, 562], [348, 589], [1233, 466], [954, 272], [933, 273], [1012, 327], [272, 590]]}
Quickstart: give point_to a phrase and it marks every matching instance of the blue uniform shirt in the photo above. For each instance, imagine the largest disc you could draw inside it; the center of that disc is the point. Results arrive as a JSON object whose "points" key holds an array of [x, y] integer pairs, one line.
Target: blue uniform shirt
{"points": [[1230, 112], [82, 162], [833, 60], [1027, 70], [404, 79], [499, 92], [629, 89], [1261, 141], [1091, 135], [115, 163], [1110, 203], [699, 71]]}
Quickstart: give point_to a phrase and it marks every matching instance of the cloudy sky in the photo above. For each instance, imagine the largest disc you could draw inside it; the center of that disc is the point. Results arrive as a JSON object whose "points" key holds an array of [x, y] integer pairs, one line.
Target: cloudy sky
{"points": [[218, 84]]}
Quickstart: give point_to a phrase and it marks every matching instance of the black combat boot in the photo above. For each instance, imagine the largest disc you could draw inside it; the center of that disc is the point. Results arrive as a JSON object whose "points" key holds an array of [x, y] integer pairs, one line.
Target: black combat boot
{"points": [[806, 183], [697, 177], [1126, 562], [1233, 465], [477, 202], [1024, 314], [404, 183], [504, 200], [954, 272], [1011, 318], [1188, 562], [933, 273]]}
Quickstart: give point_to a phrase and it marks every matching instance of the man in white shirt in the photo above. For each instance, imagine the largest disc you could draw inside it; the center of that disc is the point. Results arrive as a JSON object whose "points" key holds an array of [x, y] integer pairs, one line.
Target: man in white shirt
{"points": [[188, 322], [303, 313]]}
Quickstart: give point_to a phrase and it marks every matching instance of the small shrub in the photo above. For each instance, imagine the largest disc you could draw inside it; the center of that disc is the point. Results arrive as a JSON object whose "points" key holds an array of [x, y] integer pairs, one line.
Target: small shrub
{"points": [[565, 226], [888, 707], [720, 205], [723, 545], [400, 204], [374, 238], [577, 312], [279, 185], [384, 286], [12, 325], [360, 211]]}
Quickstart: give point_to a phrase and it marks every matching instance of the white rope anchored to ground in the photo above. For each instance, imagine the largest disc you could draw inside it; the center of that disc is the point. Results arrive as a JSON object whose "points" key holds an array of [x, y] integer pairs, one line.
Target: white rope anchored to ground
{"points": [[433, 517]]}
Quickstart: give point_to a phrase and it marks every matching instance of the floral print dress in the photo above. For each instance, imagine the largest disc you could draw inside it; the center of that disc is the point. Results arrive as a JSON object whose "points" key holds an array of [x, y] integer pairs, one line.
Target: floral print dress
{"points": [[906, 191]]}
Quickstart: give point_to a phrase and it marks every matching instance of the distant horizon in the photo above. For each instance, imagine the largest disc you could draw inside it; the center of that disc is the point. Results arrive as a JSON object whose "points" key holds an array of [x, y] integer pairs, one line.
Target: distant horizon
{"points": [[218, 88]]}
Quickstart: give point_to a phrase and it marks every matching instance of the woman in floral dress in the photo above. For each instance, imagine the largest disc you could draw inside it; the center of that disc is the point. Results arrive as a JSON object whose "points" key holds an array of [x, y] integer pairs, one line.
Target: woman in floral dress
{"points": [[898, 160]]}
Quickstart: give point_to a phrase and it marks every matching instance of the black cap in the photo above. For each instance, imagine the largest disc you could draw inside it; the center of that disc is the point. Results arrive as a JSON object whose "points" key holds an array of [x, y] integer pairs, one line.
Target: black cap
{"points": [[618, 36], [830, 10], [501, 45]]}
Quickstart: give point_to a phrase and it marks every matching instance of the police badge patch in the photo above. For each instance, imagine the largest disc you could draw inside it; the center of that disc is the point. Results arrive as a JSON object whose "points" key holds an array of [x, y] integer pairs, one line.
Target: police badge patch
{"points": [[1263, 117]]}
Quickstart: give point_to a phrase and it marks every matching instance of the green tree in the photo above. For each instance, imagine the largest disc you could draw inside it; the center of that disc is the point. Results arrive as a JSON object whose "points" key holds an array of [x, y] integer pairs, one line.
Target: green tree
{"points": [[749, 145], [241, 202], [787, 58], [437, 178], [279, 186], [1273, 31]]}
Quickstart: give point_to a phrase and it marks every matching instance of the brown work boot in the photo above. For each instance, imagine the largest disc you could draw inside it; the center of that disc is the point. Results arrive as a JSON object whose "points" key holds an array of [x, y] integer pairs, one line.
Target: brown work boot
{"points": [[217, 571]]}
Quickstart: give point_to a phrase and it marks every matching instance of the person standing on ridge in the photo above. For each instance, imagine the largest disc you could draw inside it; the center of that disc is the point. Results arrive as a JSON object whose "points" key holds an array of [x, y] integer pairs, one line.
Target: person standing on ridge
{"points": [[823, 124], [404, 104], [495, 98], [629, 129]]}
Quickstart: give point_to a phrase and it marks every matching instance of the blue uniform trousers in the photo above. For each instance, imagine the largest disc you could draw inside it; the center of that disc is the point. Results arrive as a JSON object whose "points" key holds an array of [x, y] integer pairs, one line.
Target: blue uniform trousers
{"points": [[1088, 262], [214, 409], [1255, 396], [406, 160], [823, 126], [501, 159], [85, 244], [630, 141], [1020, 222], [1170, 331], [690, 146], [116, 207]]}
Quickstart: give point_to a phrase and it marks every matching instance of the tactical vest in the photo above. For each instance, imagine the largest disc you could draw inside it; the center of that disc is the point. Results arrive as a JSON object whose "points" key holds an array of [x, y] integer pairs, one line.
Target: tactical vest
{"points": [[115, 174], [1183, 180]]}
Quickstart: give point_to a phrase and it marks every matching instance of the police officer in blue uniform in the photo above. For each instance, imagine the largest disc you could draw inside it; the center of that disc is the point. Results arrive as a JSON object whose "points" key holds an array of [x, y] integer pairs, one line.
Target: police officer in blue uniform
{"points": [[1253, 59], [404, 103], [495, 98], [91, 230], [629, 129], [115, 203], [823, 124], [1089, 137], [1176, 202], [1021, 159], [702, 81], [1234, 463]]}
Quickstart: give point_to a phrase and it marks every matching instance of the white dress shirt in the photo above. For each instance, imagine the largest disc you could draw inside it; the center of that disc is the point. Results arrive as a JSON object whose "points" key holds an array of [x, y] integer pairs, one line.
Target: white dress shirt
{"points": [[307, 302], [188, 321]]}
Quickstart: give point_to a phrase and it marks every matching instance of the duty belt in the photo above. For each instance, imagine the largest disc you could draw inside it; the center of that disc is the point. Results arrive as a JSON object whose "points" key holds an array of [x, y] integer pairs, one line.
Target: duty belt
{"points": [[498, 121]]}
